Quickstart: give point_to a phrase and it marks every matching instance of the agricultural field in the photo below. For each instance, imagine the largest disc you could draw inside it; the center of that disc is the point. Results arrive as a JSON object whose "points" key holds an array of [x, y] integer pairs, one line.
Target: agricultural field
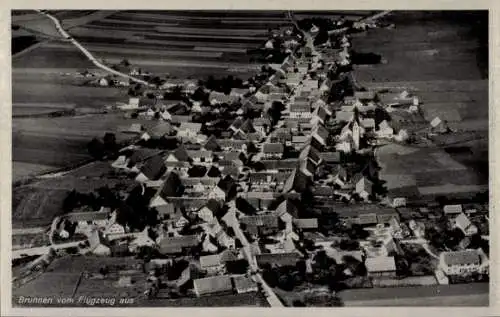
{"points": [[451, 82], [41, 143], [441, 295], [33, 207]]}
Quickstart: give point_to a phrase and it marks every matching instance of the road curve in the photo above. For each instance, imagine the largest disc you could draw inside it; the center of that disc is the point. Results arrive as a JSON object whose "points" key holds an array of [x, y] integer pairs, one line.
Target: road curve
{"points": [[89, 55]]}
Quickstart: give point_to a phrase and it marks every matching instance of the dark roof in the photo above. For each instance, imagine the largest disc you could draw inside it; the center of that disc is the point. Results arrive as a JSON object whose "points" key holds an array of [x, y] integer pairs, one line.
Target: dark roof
{"points": [[176, 244], [212, 144], [274, 148], [227, 184], [213, 205], [297, 181], [462, 257], [280, 164], [330, 157], [197, 171], [213, 172], [154, 167], [247, 126], [311, 152], [181, 154], [289, 207], [141, 154], [237, 123], [280, 259], [172, 186]]}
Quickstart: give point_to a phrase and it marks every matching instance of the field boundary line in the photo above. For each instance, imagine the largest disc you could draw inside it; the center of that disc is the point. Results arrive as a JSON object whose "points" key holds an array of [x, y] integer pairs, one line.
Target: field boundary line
{"points": [[87, 53]]}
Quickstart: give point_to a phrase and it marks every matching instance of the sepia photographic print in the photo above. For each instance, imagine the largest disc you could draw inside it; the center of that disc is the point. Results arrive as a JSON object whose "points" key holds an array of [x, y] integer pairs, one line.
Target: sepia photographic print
{"points": [[250, 158]]}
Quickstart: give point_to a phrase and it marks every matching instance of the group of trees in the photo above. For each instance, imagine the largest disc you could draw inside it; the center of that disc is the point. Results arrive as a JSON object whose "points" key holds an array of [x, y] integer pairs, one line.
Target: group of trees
{"points": [[103, 196], [107, 147], [224, 84]]}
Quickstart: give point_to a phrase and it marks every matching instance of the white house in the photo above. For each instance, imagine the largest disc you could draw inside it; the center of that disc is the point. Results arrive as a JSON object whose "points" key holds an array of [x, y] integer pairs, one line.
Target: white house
{"points": [[464, 262]]}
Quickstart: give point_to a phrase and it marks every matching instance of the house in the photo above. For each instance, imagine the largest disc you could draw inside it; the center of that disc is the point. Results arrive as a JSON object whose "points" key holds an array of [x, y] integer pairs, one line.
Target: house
{"points": [[310, 152], [244, 284], [189, 129], [297, 181], [321, 134], [272, 150], [201, 156], [287, 210], [262, 125], [463, 223], [172, 187], [225, 189], [261, 223], [98, 244], [141, 239], [464, 262], [299, 140], [306, 223], [214, 285], [218, 98], [330, 157], [208, 212], [300, 110], [225, 240], [368, 124], [450, 210], [211, 264], [278, 259], [211, 144], [307, 167], [344, 116], [381, 266], [384, 130], [179, 155], [363, 187], [178, 244], [161, 130], [320, 115], [152, 169]]}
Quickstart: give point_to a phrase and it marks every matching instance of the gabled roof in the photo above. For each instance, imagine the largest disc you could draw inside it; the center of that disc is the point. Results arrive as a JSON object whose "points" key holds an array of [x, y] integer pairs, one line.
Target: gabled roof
{"points": [[310, 152], [365, 95], [466, 257], [213, 205], [300, 107], [176, 244], [380, 264], [197, 171], [171, 186], [306, 223], [181, 154], [261, 220], [462, 221], [330, 157], [321, 131], [213, 284], [287, 206], [273, 148], [308, 166], [154, 167], [247, 126], [237, 123], [213, 172], [207, 261], [297, 181], [161, 129], [344, 116], [280, 259], [192, 126], [227, 184]]}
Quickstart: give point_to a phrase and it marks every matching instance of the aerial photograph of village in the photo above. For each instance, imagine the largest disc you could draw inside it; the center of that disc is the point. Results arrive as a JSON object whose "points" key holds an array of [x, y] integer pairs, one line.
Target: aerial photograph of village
{"points": [[249, 158]]}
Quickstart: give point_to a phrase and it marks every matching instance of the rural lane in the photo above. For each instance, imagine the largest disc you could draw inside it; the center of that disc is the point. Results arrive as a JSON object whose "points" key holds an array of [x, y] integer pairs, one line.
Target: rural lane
{"points": [[87, 53], [16, 254]]}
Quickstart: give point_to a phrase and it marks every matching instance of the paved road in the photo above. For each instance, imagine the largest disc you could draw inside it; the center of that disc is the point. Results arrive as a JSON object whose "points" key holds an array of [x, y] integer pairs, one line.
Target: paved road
{"points": [[89, 55]]}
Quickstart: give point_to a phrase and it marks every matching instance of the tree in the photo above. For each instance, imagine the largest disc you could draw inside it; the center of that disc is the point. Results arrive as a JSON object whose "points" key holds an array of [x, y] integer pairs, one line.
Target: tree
{"points": [[125, 62], [96, 148], [237, 267], [110, 145]]}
